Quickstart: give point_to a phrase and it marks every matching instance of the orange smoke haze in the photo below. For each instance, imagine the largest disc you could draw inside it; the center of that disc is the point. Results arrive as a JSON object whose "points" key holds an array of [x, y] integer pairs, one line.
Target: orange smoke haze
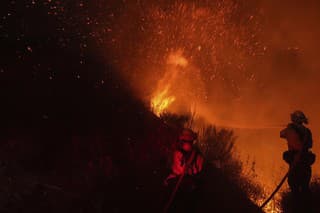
{"points": [[241, 64]]}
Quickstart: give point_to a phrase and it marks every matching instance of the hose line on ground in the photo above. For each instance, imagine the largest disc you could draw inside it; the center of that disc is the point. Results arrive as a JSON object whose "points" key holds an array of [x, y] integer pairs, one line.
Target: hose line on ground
{"points": [[275, 191]]}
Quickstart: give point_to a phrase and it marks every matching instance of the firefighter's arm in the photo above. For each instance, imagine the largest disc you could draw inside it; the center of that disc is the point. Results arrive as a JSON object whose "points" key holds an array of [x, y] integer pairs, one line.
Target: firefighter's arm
{"points": [[283, 133], [177, 167]]}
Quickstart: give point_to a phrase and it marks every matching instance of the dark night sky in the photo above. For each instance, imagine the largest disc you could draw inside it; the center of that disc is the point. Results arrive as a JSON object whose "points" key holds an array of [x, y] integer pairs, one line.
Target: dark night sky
{"points": [[49, 63]]}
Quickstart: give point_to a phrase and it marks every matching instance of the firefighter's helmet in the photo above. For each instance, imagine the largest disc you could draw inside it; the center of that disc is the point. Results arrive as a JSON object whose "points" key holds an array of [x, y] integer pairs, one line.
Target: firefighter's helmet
{"points": [[187, 135], [299, 117]]}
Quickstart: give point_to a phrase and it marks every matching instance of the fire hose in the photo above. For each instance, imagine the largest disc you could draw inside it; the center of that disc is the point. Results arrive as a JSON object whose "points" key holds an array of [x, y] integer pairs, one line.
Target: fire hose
{"points": [[282, 181], [173, 194], [275, 191]]}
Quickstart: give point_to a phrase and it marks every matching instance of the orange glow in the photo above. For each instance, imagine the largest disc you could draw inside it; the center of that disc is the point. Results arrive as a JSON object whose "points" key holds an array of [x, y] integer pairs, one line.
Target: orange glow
{"points": [[234, 67], [271, 207], [164, 95], [161, 101]]}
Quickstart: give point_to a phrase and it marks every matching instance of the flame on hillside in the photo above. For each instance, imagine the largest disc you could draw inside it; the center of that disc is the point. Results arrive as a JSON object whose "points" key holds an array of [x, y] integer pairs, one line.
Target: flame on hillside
{"points": [[164, 96], [161, 101]]}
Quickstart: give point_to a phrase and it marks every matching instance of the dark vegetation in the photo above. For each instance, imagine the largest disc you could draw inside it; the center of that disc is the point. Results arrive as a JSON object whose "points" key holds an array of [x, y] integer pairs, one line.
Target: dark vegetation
{"points": [[74, 139]]}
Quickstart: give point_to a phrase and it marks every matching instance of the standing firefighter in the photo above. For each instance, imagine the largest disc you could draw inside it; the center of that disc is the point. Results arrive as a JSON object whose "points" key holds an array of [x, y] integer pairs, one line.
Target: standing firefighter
{"points": [[299, 157], [187, 163]]}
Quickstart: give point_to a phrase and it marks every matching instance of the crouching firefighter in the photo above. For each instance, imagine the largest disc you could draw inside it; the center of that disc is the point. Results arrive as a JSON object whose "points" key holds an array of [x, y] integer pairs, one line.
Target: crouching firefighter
{"points": [[299, 157], [184, 180]]}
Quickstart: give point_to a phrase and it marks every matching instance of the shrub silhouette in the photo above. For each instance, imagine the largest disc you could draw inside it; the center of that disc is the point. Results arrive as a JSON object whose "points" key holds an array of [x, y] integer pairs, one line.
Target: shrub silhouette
{"points": [[217, 146]]}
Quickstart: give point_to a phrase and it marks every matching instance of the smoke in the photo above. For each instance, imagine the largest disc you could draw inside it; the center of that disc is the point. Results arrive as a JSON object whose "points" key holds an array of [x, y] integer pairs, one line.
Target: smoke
{"points": [[212, 36], [248, 64], [252, 57]]}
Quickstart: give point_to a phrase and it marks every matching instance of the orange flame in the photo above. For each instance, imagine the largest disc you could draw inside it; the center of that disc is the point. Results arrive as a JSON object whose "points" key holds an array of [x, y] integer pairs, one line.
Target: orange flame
{"points": [[162, 101], [163, 96]]}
